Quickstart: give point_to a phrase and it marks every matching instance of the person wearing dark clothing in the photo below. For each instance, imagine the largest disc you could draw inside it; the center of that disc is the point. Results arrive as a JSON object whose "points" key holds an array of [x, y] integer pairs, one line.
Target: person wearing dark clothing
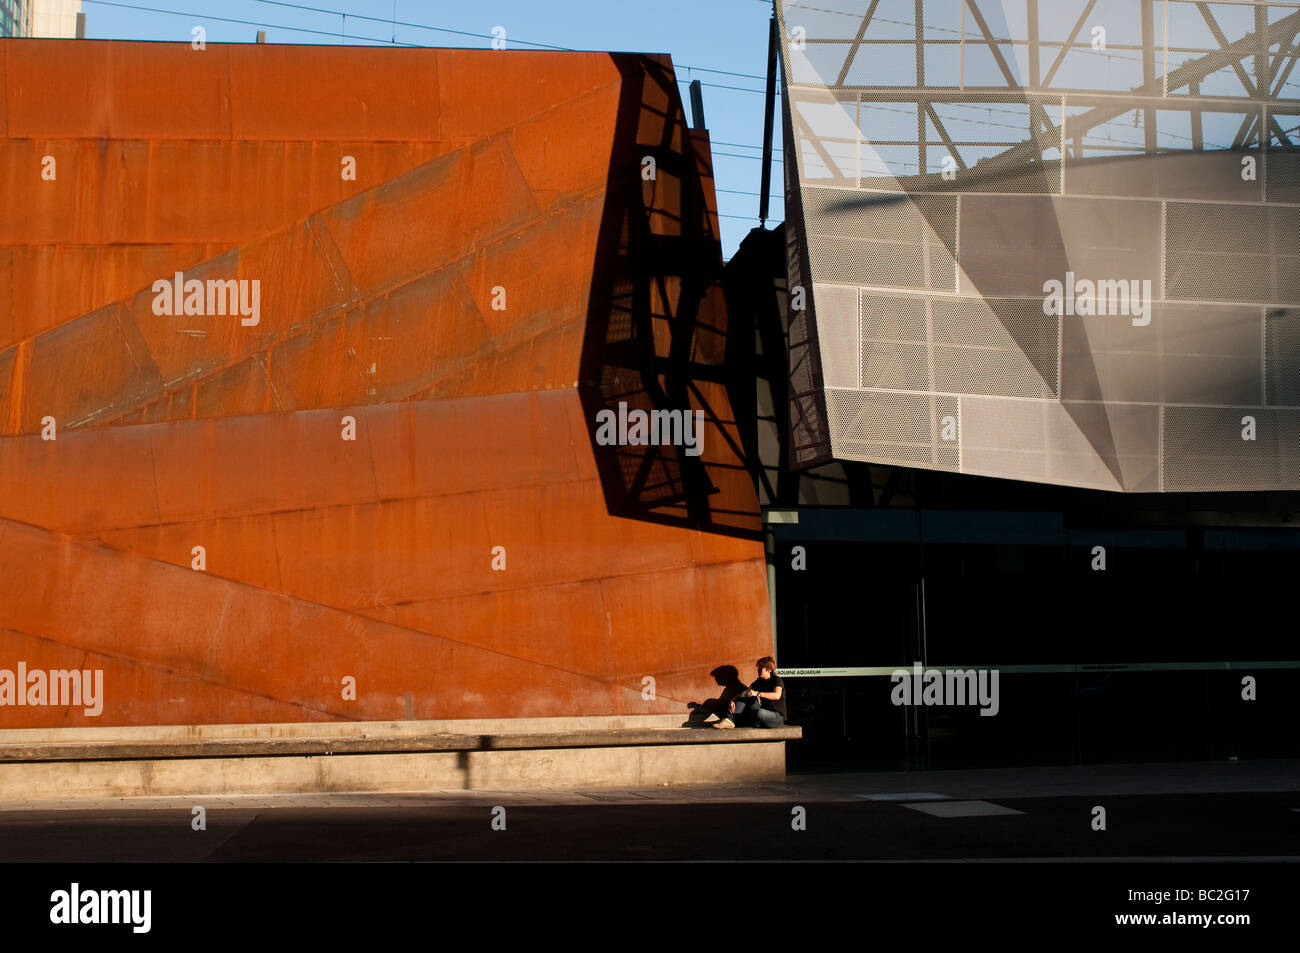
{"points": [[763, 704]]}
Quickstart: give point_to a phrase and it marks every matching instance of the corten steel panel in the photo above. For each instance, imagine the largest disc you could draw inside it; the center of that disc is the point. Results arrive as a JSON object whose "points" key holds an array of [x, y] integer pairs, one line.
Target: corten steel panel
{"points": [[117, 90], [200, 191], [191, 471], [561, 167], [362, 96], [275, 648], [474, 424], [84, 369], [981, 154], [316, 554], [139, 685], [536, 623], [4, 100], [683, 605], [474, 193], [86, 480], [479, 96], [319, 280], [340, 361], [39, 73], [544, 360], [10, 370], [89, 277]]}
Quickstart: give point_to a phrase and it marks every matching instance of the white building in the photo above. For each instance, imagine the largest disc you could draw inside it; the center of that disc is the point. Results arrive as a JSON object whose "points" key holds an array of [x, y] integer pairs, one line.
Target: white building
{"points": [[39, 18]]}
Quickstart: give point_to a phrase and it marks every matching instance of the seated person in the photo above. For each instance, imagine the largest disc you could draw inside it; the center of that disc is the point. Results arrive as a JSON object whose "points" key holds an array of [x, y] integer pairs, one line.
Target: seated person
{"points": [[763, 704]]}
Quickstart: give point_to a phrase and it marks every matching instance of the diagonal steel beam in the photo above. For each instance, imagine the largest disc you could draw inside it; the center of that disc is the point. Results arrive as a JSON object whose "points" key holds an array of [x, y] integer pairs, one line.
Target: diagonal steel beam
{"points": [[1277, 128], [1222, 40], [1074, 35], [992, 43], [943, 134], [1243, 131], [801, 123], [857, 42], [1284, 74]]}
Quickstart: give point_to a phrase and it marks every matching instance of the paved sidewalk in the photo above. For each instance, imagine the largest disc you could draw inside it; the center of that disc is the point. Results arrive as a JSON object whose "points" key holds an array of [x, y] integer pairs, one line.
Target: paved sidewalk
{"points": [[1218, 777], [1237, 811]]}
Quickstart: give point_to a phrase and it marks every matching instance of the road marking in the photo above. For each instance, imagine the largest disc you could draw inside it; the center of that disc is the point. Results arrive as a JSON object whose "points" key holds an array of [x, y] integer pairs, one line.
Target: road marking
{"points": [[912, 796], [962, 809]]}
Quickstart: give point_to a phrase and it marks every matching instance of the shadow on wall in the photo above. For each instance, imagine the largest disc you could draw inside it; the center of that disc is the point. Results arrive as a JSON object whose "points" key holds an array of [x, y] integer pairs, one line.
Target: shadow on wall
{"points": [[656, 331], [728, 679]]}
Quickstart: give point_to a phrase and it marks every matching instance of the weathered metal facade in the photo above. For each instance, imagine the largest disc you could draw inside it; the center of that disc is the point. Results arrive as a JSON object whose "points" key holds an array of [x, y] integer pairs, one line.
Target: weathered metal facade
{"points": [[501, 266], [1053, 242]]}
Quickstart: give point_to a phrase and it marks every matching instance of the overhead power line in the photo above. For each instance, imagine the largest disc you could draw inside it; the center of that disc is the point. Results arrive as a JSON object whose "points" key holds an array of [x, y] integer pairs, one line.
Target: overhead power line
{"points": [[737, 155], [218, 19], [393, 23], [345, 16]]}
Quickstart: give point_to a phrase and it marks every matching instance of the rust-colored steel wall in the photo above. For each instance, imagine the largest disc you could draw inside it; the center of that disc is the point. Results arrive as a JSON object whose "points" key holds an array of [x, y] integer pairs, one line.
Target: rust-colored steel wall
{"points": [[500, 267]]}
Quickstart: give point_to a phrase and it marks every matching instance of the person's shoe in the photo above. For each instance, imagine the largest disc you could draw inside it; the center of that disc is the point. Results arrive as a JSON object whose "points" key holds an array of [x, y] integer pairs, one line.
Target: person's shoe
{"points": [[724, 723]]}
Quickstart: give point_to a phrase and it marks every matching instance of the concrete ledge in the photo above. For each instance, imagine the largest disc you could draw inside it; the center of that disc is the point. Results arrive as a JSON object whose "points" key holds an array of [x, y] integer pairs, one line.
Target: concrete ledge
{"points": [[369, 744], [504, 754], [337, 729]]}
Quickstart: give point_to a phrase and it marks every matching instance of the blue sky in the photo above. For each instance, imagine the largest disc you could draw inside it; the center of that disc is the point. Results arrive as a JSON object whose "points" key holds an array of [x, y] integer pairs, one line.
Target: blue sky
{"points": [[726, 35]]}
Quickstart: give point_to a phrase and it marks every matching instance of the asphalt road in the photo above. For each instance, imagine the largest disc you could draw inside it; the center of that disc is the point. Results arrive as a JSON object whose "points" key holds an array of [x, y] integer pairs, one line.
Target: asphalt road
{"points": [[958, 816]]}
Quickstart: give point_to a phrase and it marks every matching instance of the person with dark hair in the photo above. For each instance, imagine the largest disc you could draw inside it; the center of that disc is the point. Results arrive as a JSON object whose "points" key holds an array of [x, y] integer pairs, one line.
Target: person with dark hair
{"points": [[763, 703]]}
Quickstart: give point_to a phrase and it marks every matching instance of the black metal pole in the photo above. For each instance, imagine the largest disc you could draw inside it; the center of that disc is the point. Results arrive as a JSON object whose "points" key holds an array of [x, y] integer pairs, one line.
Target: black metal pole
{"points": [[697, 105], [767, 123]]}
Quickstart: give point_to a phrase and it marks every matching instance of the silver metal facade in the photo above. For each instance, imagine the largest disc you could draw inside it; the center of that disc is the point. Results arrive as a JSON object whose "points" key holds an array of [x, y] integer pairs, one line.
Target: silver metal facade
{"points": [[1054, 241]]}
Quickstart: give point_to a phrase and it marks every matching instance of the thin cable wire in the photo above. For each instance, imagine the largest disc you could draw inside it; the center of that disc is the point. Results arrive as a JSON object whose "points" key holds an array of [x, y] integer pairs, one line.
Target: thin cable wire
{"points": [[396, 42]]}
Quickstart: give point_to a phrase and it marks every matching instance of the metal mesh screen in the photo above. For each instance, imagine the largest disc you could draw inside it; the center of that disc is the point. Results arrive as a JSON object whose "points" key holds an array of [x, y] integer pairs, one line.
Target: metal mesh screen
{"points": [[1079, 221], [903, 429], [1188, 354], [873, 239], [1248, 253], [1208, 448], [1283, 171], [1282, 357], [809, 438]]}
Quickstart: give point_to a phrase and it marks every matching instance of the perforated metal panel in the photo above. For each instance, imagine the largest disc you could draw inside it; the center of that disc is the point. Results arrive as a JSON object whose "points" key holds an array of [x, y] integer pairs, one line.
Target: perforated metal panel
{"points": [[1206, 448], [1036, 438], [1248, 253], [838, 337], [881, 240], [1283, 172], [1078, 221], [995, 346], [1282, 356], [903, 429], [1188, 354]]}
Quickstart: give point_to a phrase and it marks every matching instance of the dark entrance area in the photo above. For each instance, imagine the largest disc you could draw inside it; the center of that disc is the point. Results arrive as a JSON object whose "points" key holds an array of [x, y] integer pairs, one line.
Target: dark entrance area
{"points": [[1145, 659]]}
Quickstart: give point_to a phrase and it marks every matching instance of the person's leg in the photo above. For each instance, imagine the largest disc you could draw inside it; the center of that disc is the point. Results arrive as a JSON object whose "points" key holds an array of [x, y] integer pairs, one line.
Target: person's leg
{"points": [[744, 714], [769, 719]]}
